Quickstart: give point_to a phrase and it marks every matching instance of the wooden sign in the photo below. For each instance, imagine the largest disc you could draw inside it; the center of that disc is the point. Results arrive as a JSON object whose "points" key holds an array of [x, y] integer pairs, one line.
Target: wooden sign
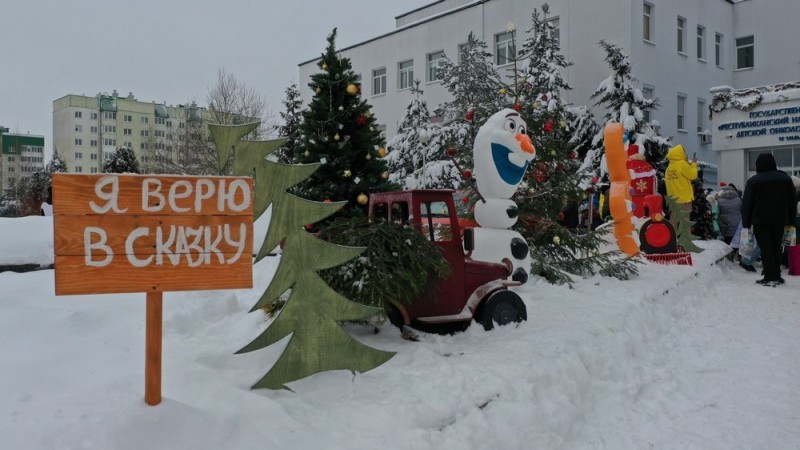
{"points": [[139, 233]]}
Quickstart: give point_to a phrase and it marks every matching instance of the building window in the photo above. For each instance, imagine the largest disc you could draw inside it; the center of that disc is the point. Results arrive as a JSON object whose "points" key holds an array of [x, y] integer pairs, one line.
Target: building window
{"points": [[435, 61], [127, 118], [78, 169], [718, 49], [647, 92], [145, 119], [160, 120], [405, 74], [681, 111], [78, 141], [144, 133], [93, 143], [93, 156], [78, 128], [681, 35], [647, 22], [108, 142], [110, 115], [160, 133], [94, 130], [379, 81], [109, 128], [127, 144], [94, 170], [745, 47], [127, 132], [78, 155], [94, 116], [554, 31], [78, 114], [701, 42], [701, 115], [504, 49]]}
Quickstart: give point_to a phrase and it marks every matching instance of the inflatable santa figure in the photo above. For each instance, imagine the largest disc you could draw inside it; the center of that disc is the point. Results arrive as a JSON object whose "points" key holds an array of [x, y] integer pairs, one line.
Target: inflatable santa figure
{"points": [[643, 179], [502, 152]]}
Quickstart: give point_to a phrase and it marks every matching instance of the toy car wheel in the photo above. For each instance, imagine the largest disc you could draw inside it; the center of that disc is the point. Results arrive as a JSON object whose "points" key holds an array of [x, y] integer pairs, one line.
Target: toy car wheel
{"points": [[502, 307]]}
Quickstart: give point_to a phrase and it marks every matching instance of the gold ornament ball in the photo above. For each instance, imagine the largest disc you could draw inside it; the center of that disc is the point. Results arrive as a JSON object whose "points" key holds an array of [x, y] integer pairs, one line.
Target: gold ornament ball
{"points": [[318, 90], [336, 137], [381, 152], [531, 191], [341, 108], [324, 66], [384, 175], [352, 89], [369, 156], [347, 173], [562, 123], [306, 153], [553, 153], [537, 105], [362, 199], [556, 240], [503, 91]]}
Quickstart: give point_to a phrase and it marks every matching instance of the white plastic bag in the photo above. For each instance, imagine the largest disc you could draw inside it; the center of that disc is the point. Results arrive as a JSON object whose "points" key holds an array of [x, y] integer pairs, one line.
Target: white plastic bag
{"points": [[747, 243]]}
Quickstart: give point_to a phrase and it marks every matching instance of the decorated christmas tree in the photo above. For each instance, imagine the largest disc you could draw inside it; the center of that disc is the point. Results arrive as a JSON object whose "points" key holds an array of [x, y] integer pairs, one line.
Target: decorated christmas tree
{"points": [[553, 182], [416, 159], [477, 92], [339, 132], [624, 103], [701, 215]]}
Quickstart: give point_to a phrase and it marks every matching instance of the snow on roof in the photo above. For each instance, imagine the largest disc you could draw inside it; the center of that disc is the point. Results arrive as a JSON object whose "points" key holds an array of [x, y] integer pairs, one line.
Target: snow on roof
{"points": [[746, 99]]}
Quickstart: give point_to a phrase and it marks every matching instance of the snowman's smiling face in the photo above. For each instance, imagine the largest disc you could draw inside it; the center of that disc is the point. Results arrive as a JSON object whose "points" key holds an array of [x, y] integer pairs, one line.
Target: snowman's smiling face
{"points": [[511, 149]]}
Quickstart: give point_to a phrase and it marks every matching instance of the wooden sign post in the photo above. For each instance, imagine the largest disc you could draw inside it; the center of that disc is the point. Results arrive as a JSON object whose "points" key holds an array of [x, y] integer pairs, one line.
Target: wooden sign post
{"points": [[140, 233]]}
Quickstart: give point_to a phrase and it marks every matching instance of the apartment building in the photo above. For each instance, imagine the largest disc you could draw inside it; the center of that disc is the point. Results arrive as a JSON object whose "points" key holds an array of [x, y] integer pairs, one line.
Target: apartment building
{"points": [[20, 156], [679, 51], [87, 130]]}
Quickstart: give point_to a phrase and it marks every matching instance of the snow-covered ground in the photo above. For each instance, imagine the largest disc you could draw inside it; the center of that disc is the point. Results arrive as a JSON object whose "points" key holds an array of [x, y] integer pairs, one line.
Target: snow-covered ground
{"points": [[678, 357]]}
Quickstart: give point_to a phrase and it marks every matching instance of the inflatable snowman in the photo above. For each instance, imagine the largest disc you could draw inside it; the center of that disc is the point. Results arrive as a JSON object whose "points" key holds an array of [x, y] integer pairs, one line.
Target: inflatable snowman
{"points": [[502, 152]]}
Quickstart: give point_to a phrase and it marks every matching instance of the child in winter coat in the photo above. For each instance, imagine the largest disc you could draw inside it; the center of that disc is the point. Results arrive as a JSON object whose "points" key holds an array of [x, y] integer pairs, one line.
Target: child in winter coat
{"points": [[730, 212]]}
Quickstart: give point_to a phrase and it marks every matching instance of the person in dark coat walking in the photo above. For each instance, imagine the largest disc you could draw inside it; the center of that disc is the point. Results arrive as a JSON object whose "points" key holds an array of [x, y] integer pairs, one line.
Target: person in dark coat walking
{"points": [[769, 205]]}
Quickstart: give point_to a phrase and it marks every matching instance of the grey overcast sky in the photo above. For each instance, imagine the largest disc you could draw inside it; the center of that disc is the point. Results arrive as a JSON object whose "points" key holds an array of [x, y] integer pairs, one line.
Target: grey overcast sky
{"points": [[166, 50]]}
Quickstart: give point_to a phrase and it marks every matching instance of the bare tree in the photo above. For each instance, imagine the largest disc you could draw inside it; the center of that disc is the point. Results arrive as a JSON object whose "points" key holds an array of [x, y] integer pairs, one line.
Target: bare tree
{"points": [[188, 148]]}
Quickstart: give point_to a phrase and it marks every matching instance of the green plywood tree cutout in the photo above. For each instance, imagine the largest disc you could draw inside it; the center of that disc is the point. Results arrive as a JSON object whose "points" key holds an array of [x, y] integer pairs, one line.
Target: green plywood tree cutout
{"points": [[313, 311], [683, 227]]}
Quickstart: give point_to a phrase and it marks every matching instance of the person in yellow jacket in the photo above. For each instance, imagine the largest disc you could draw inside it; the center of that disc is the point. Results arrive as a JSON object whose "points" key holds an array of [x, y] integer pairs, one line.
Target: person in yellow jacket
{"points": [[679, 176]]}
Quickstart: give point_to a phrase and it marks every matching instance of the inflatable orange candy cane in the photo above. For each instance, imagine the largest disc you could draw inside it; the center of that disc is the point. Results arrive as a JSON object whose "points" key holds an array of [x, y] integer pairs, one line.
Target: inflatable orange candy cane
{"points": [[620, 195]]}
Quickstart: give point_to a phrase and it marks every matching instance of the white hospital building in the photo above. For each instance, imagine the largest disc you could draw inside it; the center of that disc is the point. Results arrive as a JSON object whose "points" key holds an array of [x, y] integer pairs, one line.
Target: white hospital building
{"points": [[680, 50]]}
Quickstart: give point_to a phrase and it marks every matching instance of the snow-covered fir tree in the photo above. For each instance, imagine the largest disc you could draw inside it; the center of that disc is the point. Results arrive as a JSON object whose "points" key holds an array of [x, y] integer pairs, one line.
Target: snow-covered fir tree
{"points": [[476, 91], [416, 158], [624, 103], [292, 117], [122, 161], [57, 164], [553, 182]]}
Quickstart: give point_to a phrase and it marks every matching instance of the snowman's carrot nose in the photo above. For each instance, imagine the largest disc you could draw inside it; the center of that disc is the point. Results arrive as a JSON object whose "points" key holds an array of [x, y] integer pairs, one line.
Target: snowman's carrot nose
{"points": [[525, 143]]}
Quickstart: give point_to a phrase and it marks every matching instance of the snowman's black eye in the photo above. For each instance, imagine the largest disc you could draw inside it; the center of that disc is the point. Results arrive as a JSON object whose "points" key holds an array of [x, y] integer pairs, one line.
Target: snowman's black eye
{"points": [[510, 125]]}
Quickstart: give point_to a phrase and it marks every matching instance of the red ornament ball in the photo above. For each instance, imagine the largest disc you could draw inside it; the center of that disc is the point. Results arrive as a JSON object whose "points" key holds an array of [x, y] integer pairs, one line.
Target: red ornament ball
{"points": [[361, 120], [572, 155], [467, 174], [595, 180], [516, 106], [470, 115], [544, 97], [450, 152], [465, 200], [548, 126]]}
